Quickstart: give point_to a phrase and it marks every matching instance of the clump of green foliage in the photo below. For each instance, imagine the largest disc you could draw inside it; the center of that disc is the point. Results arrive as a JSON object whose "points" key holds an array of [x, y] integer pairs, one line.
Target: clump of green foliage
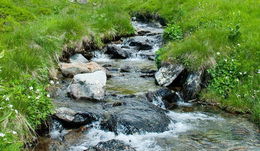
{"points": [[173, 32], [225, 76]]}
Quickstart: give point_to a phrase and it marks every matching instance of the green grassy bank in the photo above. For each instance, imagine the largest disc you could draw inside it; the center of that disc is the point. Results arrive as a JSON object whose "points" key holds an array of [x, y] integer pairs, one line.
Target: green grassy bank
{"points": [[220, 35]]}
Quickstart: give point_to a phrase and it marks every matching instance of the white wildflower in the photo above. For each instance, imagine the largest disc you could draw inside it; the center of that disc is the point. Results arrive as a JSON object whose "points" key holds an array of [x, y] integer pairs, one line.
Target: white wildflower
{"points": [[16, 112], [7, 98], [238, 44], [14, 132], [48, 95], [258, 71], [51, 82], [31, 88], [240, 73], [57, 82], [10, 105], [232, 59], [225, 60], [38, 97], [29, 97], [1, 108], [218, 53], [2, 135], [245, 72]]}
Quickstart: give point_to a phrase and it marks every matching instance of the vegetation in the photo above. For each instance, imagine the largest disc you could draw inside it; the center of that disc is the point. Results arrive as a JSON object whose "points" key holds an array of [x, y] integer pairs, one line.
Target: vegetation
{"points": [[221, 36]]}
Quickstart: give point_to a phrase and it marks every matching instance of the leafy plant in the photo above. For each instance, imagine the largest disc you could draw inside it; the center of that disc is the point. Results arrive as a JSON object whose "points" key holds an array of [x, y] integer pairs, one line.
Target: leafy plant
{"points": [[225, 76], [173, 32]]}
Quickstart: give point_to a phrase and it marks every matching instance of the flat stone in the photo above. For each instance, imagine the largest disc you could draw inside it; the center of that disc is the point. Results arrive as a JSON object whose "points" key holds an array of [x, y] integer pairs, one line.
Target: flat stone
{"points": [[71, 69]]}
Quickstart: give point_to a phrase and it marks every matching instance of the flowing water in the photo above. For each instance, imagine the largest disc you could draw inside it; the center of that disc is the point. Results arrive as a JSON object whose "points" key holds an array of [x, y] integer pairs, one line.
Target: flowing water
{"points": [[193, 126]]}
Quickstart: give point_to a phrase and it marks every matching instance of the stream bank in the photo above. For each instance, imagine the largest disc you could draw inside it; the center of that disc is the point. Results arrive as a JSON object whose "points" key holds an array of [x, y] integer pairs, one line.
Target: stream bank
{"points": [[112, 102]]}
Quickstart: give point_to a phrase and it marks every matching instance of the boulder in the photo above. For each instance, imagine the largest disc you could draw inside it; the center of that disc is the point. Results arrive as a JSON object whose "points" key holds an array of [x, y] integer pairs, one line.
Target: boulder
{"points": [[168, 73], [116, 52], [131, 117], [78, 58], [71, 69], [88, 86], [163, 98], [111, 145], [192, 85], [142, 43]]}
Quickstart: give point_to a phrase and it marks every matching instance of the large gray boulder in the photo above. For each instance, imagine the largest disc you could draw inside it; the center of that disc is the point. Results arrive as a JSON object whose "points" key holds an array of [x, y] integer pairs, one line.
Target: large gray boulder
{"points": [[168, 73], [131, 117], [88, 86]]}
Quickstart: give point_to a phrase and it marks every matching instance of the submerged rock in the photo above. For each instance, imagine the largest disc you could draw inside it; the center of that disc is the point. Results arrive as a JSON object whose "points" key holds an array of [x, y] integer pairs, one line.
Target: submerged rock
{"points": [[71, 69], [168, 73], [192, 85], [116, 52], [134, 117], [78, 58], [111, 145], [164, 97], [142, 43], [88, 86]]}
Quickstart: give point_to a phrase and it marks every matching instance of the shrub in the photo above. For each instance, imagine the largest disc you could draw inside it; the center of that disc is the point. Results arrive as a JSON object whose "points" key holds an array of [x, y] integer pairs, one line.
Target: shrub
{"points": [[173, 32]]}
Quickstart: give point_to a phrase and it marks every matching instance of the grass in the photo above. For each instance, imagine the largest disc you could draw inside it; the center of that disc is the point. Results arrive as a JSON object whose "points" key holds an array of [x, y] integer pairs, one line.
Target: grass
{"points": [[214, 32], [33, 32]]}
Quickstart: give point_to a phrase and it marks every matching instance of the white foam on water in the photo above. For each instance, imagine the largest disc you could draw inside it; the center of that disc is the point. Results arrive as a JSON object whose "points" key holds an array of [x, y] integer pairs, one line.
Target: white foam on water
{"points": [[100, 57], [146, 141]]}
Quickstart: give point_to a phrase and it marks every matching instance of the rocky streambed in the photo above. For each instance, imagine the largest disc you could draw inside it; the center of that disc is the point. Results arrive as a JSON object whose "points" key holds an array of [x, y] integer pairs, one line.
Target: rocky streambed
{"points": [[118, 100]]}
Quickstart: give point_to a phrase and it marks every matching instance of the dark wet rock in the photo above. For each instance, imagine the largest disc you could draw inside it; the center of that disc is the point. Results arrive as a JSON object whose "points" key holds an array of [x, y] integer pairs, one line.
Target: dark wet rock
{"points": [[88, 86], [111, 145], [78, 58], [142, 43], [116, 52], [164, 97], [192, 85], [125, 69], [146, 73], [134, 117], [168, 73], [71, 69]]}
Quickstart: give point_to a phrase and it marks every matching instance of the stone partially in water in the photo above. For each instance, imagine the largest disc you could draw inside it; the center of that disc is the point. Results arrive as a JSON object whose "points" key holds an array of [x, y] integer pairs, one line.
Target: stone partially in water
{"points": [[142, 43], [88, 86], [78, 58], [65, 114], [163, 97], [72, 119], [168, 73], [116, 52], [192, 85], [71, 69], [134, 117], [111, 145]]}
